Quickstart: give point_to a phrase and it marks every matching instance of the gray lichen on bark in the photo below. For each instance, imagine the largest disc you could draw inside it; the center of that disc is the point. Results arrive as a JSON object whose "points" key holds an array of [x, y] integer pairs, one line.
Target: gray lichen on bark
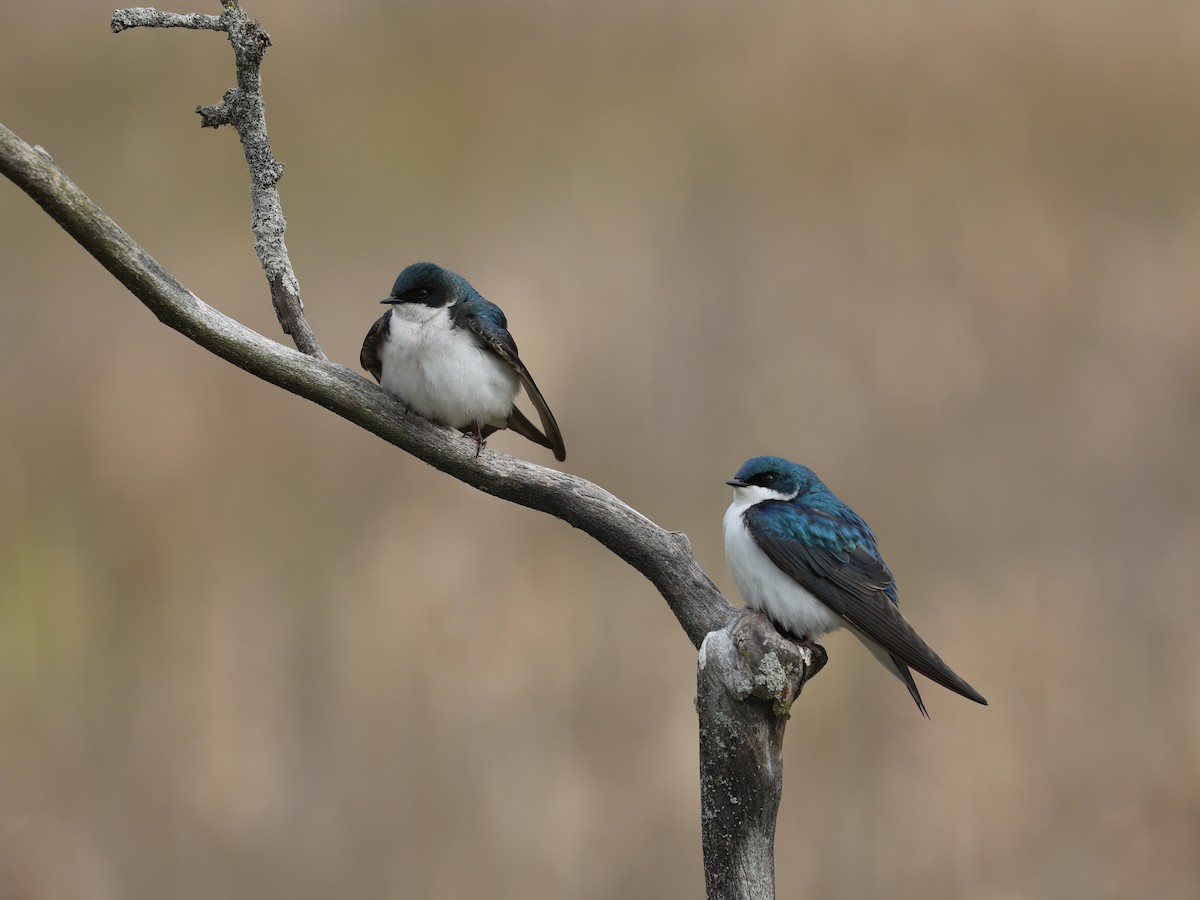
{"points": [[747, 678]]}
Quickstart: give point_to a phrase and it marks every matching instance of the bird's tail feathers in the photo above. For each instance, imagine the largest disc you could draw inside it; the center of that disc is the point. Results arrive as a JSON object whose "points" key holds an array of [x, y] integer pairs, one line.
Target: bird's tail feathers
{"points": [[940, 674], [522, 426], [553, 437], [904, 675]]}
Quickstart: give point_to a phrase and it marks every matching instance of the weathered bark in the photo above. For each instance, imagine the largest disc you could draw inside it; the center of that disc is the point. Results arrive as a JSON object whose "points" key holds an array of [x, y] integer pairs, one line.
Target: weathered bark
{"points": [[747, 679]]}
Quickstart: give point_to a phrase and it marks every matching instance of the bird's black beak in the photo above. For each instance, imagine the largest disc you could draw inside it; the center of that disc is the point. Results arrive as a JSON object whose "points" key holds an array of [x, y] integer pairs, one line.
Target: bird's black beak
{"points": [[389, 300], [736, 482]]}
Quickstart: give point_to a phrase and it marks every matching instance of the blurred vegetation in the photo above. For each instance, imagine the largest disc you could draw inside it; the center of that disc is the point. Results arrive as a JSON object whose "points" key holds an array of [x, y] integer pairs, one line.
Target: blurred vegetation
{"points": [[944, 253]]}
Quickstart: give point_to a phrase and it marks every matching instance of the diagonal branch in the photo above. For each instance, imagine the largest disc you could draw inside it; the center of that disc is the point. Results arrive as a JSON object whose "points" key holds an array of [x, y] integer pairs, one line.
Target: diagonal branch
{"points": [[244, 109], [664, 557]]}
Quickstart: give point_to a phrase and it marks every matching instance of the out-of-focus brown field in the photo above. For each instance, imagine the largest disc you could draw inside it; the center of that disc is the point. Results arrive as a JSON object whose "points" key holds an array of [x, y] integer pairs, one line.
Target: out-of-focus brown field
{"points": [[946, 254]]}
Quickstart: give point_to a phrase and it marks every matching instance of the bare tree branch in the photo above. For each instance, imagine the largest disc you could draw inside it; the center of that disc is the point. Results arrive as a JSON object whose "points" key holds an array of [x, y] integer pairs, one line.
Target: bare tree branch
{"points": [[244, 109], [147, 17], [662, 556], [748, 675]]}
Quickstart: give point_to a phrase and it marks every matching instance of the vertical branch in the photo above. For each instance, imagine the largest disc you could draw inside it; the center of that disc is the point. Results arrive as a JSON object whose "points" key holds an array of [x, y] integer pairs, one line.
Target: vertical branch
{"points": [[748, 677], [243, 108]]}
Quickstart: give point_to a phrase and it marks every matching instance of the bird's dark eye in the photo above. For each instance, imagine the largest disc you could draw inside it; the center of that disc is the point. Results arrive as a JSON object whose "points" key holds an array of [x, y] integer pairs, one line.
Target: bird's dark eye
{"points": [[763, 478], [422, 293]]}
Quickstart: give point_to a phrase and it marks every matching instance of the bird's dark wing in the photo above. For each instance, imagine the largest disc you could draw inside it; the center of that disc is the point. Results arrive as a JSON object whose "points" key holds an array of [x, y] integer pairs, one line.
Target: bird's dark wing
{"points": [[837, 561], [486, 321], [368, 357]]}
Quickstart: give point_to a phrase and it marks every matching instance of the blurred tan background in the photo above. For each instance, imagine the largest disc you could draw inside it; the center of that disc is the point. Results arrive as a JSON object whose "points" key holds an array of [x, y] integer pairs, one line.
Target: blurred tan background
{"points": [[947, 254]]}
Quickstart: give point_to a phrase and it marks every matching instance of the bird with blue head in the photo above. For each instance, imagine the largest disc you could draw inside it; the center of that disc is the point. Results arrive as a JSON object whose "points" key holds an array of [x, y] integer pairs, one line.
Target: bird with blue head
{"points": [[810, 563], [446, 353]]}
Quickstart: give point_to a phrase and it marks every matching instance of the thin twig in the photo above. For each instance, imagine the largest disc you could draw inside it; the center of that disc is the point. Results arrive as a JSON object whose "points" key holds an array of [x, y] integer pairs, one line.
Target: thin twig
{"points": [[244, 109], [148, 17]]}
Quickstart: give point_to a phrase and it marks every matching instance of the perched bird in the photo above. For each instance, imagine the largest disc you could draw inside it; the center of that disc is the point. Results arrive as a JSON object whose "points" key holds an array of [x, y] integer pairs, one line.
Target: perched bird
{"points": [[446, 353], [809, 562]]}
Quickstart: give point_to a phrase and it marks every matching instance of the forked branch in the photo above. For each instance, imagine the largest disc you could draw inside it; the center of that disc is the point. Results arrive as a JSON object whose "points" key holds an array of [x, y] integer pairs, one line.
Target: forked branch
{"points": [[244, 109], [748, 675]]}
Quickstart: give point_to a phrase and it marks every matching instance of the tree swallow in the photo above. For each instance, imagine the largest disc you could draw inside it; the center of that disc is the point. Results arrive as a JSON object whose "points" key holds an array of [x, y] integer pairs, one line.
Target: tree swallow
{"points": [[809, 562], [446, 353]]}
